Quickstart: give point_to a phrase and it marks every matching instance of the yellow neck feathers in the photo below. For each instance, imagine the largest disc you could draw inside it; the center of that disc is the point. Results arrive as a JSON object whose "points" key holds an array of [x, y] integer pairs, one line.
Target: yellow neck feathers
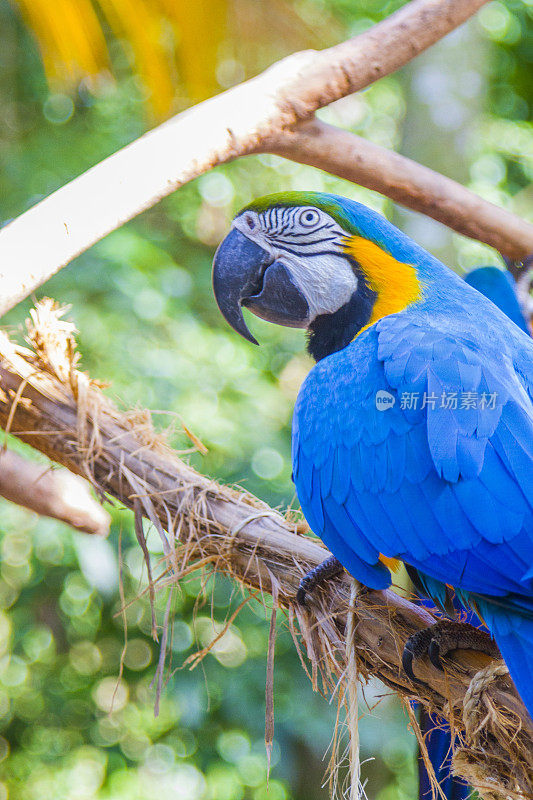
{"points": [[396, 284]]}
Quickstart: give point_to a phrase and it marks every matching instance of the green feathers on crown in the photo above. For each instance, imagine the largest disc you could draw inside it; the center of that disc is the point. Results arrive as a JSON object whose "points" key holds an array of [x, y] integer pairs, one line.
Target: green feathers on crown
{"points": [[328, 203]]}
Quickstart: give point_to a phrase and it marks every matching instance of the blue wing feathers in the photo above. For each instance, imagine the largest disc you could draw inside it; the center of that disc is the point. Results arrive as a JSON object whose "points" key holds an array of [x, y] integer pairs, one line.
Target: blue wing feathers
{"points": [[368, 511], [338, 517], [481, 509], [498, 479], [446, 487], [499, 286], [418, 463], [421, 511], [326, 475], [470, 455], [385, 468], [303, 473], [398, 514], [516, 456], [316, 501], [396, 461], [442, 439], [357, 471], [470, 374], [340, 483], [375, 575], [454, 528]]}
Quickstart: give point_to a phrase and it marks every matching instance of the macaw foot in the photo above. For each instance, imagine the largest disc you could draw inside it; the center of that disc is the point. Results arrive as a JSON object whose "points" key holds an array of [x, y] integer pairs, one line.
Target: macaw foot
{"points": [[439, 639], [329, 568]]}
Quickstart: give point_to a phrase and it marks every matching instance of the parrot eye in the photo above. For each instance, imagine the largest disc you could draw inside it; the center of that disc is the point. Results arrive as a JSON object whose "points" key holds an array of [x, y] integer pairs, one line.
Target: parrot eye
{"points": [[309, 217]]}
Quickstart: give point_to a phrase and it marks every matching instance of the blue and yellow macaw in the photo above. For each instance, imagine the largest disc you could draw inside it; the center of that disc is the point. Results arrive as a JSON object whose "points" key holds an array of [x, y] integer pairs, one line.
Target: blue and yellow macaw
{"points": [[413, 433]]}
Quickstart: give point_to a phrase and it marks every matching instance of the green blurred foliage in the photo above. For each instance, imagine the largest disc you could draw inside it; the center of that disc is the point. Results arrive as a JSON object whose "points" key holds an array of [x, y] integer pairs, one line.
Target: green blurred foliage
{"points": [[70, 726]]}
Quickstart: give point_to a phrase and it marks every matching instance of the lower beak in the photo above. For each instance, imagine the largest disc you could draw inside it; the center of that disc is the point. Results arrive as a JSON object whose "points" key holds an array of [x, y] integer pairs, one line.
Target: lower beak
{"points": [[244, 274]]}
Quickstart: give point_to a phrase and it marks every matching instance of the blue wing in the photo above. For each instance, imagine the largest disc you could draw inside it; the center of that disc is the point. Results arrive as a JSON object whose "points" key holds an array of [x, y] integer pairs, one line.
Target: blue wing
{"points": [[500, 287], [448, 490]]}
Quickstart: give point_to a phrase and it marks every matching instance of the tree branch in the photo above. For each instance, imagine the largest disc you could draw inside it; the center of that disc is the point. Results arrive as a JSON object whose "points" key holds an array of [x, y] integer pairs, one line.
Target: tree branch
{"points": [[236, 123], [406, 182], [51, 493], [47, 403]]}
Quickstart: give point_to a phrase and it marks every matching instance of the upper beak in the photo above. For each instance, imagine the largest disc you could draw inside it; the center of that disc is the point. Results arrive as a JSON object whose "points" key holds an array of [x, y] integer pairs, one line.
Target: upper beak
{"points": [[245, 274]]}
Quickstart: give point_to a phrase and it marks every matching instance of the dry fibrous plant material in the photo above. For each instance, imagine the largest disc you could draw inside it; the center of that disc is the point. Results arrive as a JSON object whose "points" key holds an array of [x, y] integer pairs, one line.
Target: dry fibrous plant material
{"points": [[46, 401]]}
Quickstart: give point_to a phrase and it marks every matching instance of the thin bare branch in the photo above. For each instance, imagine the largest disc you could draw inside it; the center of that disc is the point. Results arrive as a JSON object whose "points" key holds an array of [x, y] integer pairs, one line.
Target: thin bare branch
{"points": [[51, 492], [408, 183], [236, 123]]}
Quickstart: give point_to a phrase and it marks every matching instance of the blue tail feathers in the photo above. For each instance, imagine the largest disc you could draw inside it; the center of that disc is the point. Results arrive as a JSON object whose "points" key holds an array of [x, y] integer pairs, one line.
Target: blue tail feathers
{"points": [[514, 636], [439, 746]]}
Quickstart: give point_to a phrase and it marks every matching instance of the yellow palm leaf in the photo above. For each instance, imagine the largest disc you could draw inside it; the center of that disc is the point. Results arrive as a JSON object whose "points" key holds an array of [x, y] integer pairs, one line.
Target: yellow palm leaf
{"points": [[200, 29], [70, 38], [140, 22]]}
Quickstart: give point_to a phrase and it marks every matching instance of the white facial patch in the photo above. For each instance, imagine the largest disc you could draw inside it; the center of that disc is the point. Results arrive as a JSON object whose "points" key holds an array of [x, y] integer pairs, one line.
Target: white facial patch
{"points": [[326, 281], [309, 243]]}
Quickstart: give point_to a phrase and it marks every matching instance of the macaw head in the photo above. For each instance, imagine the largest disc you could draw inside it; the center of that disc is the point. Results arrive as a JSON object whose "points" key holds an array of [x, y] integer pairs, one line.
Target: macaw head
{"points": [[315, 261]]}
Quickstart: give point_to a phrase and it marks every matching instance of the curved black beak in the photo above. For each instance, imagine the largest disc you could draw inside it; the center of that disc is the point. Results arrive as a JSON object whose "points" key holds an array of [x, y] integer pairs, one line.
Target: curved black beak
{"points": [[244, 274]]}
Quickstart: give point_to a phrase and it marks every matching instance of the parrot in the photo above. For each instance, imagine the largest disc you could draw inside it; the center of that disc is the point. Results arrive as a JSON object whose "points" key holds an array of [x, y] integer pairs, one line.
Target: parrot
{"points": [[412, 435], [500, 287]]}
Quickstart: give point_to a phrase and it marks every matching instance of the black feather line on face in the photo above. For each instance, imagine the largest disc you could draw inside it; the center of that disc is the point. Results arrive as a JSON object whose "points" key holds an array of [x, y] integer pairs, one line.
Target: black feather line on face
{"points": [[329, 333]]}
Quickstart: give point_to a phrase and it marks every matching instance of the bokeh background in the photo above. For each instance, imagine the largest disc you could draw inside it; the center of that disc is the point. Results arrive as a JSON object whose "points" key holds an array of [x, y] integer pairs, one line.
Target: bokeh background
{"points": [[79, 79]]}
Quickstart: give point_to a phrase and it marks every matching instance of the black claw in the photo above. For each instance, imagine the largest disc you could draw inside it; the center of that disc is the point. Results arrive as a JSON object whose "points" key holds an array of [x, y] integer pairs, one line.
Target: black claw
{"points": [[315, 577], [437, 640], [415, 647], [301, 594], [407, 663], [434, 655], [307, 585]]}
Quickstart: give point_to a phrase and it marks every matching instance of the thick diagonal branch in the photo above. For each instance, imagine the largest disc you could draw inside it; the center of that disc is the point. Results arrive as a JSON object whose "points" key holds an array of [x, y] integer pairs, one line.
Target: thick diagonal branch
{"points": [[47, 403], [239, 122]]}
